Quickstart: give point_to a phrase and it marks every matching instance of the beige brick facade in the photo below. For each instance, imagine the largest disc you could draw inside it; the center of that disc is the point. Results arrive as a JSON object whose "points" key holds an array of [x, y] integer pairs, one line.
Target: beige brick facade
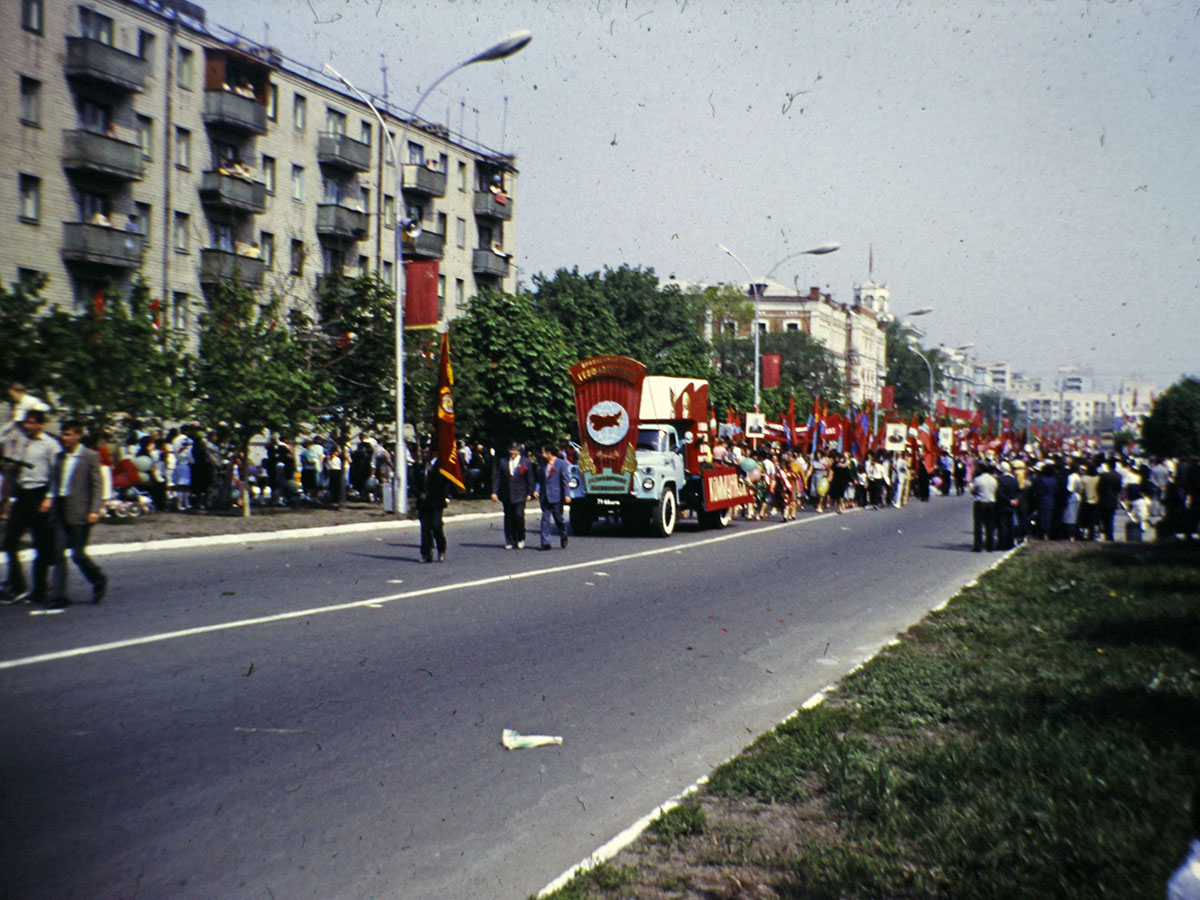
{"points": [[137, 142]]}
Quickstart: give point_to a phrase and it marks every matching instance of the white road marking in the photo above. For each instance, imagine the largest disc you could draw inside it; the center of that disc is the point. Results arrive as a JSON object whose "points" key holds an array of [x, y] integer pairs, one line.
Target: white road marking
{"points": [[374, 602]]}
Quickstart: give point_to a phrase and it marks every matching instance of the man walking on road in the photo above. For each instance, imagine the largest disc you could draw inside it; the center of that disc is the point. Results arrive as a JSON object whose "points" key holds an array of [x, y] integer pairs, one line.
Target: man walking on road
{"points": [[983, 489], [34, 457], [552, 492], [430, 484], [513, 484], [76, 495]]}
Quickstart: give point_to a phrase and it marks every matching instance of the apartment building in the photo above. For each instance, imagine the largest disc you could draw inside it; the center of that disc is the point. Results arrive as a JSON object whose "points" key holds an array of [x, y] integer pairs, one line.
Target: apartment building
{"points": [[138, 142]]}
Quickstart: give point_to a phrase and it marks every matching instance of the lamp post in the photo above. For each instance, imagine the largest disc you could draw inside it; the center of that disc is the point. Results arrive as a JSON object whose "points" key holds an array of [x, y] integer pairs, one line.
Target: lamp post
{"points": [[504, 48], [814, 251]]}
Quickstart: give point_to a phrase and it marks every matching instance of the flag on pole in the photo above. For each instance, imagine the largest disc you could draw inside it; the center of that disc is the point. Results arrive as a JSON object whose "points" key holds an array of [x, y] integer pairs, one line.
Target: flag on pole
{"points": [[789, 420], [443, 422], [421, 294]]}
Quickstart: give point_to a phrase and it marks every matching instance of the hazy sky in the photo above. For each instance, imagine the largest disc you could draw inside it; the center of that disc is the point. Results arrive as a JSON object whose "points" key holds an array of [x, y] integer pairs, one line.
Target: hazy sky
{"points": [[1029, 169]]}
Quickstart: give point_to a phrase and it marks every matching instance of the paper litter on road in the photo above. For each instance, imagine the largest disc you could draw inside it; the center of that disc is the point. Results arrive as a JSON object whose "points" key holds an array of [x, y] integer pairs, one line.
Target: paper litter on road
{"points": [[514, 741]]}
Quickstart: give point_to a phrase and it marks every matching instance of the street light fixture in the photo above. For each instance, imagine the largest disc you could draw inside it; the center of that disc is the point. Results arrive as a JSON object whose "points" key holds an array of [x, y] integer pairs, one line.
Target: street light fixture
{"points": [[818, 250], [507, 46]]}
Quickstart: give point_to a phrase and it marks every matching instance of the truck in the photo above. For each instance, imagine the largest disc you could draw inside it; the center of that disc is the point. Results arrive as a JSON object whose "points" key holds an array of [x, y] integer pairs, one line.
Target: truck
{"points": [[644, 450]]}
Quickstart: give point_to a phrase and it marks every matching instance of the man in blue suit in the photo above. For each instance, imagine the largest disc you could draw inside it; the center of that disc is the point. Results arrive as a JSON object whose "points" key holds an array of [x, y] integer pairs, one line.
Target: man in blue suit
{"points": [[552, 493], [513, 484]]}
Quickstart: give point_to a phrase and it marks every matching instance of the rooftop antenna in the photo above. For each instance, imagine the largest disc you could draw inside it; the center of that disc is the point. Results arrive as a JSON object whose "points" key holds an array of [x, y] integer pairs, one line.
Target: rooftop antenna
{"points": [[504, 124], [383, 69], [462, 112]]}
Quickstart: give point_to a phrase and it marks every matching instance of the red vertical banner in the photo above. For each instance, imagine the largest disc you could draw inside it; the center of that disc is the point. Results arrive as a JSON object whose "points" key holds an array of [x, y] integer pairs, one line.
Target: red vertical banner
{"points": [[421, 294], [789, 420], [443, 422], [887, 396], [772, 365]]}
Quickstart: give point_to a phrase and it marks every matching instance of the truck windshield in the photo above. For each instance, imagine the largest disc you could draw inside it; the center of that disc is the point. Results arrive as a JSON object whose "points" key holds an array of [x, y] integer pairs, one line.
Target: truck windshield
{"points": [[651, 439]]}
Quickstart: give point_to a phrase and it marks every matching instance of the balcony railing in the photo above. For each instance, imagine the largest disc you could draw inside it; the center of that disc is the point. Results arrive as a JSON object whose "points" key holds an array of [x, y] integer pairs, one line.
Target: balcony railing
{"points": [[104, 64], [423, 180], [341, 222], [224, 265], [230, 110], [86, 151], [343, 152], [485, 262], [101, 245], [233, 192], [489, 204], [428, 244]]}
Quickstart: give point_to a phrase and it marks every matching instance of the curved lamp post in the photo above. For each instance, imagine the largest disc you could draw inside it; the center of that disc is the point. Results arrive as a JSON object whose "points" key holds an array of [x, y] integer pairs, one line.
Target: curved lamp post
{"points": [[814, 251], [504, 48]]}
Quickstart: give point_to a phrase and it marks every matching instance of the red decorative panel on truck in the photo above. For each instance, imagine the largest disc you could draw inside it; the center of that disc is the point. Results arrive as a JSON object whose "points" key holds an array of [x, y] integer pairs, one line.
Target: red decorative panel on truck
{"points": [[608, 393]]}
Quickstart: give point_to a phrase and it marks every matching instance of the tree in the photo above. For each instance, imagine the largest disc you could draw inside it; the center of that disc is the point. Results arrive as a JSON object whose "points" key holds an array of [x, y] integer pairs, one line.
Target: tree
{"points": [[907, 372], [24, 357], [582, 309], [807, 369], [1173, 426], [510, 370], [116, 360]]}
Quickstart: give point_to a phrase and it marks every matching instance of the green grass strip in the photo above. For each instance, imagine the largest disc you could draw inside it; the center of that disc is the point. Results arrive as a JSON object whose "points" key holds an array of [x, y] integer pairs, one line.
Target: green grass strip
{"points": [[1037, 738]]}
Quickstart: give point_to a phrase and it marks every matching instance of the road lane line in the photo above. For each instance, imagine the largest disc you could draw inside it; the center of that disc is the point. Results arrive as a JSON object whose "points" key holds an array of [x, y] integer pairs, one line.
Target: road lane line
{"points": [[375, 602]]}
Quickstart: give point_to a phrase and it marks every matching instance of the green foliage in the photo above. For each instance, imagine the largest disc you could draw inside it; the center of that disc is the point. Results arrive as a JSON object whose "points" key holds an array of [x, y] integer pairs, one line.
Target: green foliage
{"points": [[115, 360], [594, 882], [807, 369], [23, 356], [1173, 426], [255, 370], [908, 373], [510, 370], [685, 820]]}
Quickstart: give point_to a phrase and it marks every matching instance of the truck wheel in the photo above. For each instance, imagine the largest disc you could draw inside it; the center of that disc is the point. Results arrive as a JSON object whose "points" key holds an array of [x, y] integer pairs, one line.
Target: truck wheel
{"points": [[582, 517], [663, 514], [719, 519]]}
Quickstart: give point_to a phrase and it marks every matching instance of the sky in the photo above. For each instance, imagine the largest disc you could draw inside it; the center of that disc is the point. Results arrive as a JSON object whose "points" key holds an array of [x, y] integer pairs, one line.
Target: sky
{"points": [[1030, 170]]}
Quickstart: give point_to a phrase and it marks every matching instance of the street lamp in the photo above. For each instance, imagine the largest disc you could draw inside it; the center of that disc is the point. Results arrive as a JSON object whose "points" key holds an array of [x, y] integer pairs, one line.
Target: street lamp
{"points": [[814, 251], [504, 48]]}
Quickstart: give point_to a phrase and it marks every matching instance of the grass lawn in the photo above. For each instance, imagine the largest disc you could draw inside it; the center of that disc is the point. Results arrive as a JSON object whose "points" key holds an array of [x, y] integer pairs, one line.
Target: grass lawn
{"points": [[1039, 737]]}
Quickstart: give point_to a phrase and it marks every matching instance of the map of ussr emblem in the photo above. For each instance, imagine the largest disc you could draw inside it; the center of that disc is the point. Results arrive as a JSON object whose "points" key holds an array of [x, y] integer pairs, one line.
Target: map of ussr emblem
{"points": [[607, 422]]}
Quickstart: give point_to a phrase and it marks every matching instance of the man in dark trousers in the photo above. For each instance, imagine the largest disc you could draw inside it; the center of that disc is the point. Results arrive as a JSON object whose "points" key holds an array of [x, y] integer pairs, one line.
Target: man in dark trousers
{"points": [[1008, 492], [983, 489], [76, 497], [513, 484], [35, 453], [552, 492], [429, 485]]}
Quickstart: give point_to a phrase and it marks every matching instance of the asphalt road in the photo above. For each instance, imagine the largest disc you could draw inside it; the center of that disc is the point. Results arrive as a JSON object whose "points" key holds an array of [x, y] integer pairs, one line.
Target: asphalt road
{"points": [[322, 718]]}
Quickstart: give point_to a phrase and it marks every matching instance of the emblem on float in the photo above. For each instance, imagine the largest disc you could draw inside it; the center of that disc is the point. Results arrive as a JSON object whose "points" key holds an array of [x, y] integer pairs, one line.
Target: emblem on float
{"points": [[607, 422]]}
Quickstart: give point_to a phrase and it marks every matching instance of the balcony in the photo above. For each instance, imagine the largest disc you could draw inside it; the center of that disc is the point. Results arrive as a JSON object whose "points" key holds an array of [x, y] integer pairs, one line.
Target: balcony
{"points": [[98, 154], [489, 204], [428, 244], [233, 192], [485, 262], [421, 179], [343, 152], [101, 246], [102, 64], [235, 112], [217, 266], [341, 222]]}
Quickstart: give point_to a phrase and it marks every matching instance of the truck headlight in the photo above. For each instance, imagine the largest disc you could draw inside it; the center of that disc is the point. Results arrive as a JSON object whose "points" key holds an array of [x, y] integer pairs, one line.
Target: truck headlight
{"points": [[647, 484]]}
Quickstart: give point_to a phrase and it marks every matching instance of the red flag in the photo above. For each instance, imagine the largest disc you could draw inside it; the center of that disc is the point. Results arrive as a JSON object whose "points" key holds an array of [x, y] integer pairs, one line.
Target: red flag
{"points": [[443, 423], [98, 302], [731, 418], [789, 419], [772, 363], [421, 294], [887, 396]]}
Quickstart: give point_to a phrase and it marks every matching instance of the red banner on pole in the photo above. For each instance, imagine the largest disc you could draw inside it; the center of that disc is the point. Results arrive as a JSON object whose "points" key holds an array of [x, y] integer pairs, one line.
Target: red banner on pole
{"points": [[887, 398], [443, 421], [421, 294], [772, 365]]}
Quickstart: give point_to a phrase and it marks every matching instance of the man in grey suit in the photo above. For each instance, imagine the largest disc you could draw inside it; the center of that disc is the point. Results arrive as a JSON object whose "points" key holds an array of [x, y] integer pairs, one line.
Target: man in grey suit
{"points": [[76, 496], [552, 492]]}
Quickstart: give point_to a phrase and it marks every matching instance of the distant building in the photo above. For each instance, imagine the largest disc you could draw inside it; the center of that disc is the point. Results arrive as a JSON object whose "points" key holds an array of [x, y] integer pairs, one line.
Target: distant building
{"points": [[139, 142]]}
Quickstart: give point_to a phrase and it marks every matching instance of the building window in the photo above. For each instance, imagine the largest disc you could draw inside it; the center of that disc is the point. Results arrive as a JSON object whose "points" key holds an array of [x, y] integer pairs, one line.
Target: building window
{"points": [[297, 266], [27, 277], [441, 296], [335, 122], [268, 167], [334, 191], [441, 224], [389, 211], [94, 208], [31, 101], [221, 237], [179, 310], [366, 207], [363, 265], [300, 112], [460, 291], [364, 134], [145, 135], [389, 155], [443, 163], [141, 221], [183, 148], [266, 243], [94, 117], [32, 15], [416, 153], [95, 26], [460, 233], [462, 176], [31, 198], [273, 102], [183, 224], [389, 274], [298, 183], [146, 47], [185, 68]]}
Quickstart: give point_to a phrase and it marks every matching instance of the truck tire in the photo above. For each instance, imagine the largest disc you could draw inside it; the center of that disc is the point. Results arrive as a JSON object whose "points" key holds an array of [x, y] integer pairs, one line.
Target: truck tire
{"points": [[719, 519], [664, 513], [583, 516]]}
